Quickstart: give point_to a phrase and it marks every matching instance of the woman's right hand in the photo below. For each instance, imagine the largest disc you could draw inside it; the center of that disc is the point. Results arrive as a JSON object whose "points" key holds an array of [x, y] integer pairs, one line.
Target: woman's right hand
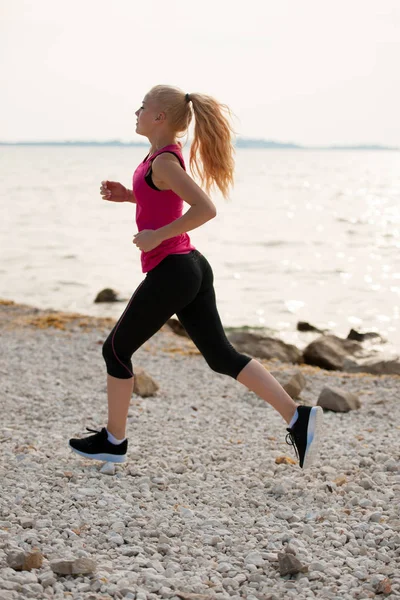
{"points": [[114, 191]]}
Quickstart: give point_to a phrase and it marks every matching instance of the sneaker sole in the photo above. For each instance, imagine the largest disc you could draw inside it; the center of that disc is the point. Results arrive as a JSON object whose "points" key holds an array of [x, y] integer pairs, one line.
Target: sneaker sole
{"points": [[314, 431], [115, 458]]}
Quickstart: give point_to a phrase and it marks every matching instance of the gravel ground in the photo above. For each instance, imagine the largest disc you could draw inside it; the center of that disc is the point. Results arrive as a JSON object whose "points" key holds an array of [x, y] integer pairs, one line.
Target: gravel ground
{"points": [[200, 507]]}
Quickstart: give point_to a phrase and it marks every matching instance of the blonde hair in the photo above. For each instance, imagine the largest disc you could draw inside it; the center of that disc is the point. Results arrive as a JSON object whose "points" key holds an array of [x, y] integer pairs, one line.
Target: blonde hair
{"points": [[212, 152]]}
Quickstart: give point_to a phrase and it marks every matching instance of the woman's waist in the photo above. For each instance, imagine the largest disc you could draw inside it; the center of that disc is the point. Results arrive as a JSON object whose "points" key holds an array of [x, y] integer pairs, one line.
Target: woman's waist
{"points": [[179, 242]]}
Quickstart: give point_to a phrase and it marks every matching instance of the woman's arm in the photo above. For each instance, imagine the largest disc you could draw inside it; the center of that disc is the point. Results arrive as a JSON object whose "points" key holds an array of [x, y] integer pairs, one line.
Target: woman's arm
{"points": [[168, 170], [130, 196]]}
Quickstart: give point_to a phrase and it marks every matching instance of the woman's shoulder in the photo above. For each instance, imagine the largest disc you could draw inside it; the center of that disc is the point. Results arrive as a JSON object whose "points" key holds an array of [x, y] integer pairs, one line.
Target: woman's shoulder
{"points": [[172, 153]]}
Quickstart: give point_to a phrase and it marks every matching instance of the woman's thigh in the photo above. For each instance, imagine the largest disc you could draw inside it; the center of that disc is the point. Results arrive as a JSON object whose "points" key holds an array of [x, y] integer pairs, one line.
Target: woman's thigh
{"points": [[203, 324], [163, 292], [200, 317]]}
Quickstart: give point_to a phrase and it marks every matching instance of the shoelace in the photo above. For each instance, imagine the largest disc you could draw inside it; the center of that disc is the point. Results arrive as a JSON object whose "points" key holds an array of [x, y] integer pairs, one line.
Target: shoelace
{"points": [[93, 430], [90, 442], [292, 441]]}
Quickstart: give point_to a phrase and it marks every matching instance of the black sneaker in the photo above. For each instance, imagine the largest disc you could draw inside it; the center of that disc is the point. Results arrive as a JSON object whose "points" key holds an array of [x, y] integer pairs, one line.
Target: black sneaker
{"points": [[305, 434], [98, 447]]}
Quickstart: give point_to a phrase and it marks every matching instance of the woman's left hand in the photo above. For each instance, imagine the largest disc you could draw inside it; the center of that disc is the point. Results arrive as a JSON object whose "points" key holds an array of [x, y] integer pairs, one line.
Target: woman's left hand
{"points": [[147, 239]]}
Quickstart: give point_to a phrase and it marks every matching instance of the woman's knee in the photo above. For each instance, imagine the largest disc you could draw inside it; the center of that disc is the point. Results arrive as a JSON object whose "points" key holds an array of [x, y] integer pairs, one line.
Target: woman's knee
{"points": [[117, 365], [230, 363]]}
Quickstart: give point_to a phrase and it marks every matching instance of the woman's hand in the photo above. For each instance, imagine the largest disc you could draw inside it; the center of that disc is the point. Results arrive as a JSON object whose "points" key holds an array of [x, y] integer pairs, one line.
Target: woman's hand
{"points": [[147, 239], [114, 191]]}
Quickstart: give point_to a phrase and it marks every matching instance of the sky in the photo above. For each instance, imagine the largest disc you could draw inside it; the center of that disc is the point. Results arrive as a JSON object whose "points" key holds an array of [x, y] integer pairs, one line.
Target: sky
{"points": [[314, 72]]}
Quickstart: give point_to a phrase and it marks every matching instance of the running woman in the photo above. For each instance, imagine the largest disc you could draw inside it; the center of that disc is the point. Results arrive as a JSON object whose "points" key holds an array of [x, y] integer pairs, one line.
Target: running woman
{"points": [[178, 278]]}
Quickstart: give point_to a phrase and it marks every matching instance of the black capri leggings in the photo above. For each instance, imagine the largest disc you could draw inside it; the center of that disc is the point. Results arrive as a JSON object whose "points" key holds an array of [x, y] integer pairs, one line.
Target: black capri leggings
{"points": [[180, 284]]}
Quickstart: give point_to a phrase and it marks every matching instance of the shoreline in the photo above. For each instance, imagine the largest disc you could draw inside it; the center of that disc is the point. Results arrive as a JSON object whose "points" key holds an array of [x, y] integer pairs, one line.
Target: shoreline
{"points": [[15, 315]]}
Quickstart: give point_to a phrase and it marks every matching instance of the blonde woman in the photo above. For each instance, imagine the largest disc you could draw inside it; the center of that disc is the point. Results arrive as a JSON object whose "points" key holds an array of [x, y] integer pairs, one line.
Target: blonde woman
{"points": [[178, 278]]}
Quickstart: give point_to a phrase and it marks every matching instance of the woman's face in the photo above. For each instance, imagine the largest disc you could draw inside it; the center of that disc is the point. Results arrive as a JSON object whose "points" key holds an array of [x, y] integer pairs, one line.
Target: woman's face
{"points": [[146, 116]]}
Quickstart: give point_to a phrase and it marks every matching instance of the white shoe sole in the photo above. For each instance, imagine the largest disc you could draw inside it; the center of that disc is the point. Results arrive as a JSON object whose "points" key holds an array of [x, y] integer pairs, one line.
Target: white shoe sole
{"points": [[115, 458], [314, 433]]}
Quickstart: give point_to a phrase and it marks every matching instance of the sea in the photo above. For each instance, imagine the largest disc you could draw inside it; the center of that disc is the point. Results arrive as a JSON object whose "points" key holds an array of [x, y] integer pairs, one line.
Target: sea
{"points": [[307, 235]]}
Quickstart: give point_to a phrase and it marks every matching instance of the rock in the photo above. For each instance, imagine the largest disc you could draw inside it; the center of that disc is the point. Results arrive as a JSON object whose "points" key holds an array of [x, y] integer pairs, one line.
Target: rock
{"points": [[108, 295], [290, 564], [308, 531], [338, 400], [24, 561], [164, 549], [186, 512], [47, 579], [130, 551], [73, 566], [143, 384], [366, 483], [341, 480], [295, 385], [304, 326], [289, 549], [8, 595], [279, 489], [16, 559], [177, 327], [224, 567], [329, 352], [32, 590], [361, 337], [116, 538], [25, 578], [284, 513], [43, 524], [392, 465], [380, 367], [88, 491], [108, 468], [264, 347], [26, 522], [384, 587], [179, 468], [191, 596], [254, 558], [286, 460], [375, 517]]}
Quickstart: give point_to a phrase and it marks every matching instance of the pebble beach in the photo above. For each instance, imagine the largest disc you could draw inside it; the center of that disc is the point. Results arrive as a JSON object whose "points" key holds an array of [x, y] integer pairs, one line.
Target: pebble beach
{"points": [[208, 504]]}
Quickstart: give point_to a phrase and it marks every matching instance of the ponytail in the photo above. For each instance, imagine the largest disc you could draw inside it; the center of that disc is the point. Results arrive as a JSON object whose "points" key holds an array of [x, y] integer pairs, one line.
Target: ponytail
{"points": [[212, 151], [211, 156]]}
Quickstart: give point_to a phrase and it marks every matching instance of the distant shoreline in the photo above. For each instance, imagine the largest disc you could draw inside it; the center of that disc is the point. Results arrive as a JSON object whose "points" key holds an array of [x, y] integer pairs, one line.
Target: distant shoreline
{"points": [[240, 143]]}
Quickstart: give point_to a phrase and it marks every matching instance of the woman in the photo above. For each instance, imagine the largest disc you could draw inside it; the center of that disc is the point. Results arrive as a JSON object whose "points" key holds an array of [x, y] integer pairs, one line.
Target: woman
{"points": [[179, 279]]}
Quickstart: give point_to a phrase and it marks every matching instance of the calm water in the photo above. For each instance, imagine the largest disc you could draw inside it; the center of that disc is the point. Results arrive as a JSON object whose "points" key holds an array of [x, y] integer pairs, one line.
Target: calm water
{"points": [[307, 235]]}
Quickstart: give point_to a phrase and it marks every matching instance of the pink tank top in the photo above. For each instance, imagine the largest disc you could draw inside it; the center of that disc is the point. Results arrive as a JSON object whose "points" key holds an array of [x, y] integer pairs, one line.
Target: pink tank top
{"points": [[156, 208]]}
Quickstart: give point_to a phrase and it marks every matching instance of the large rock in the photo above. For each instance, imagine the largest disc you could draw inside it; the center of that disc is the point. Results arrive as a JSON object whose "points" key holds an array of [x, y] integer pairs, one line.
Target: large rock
{"points": [[108, 295], [261, 346], [295, 385], [338, 400], [73, 566], [380, 367], [177, 327], [290, 564], [330, 352], [24, 561], [361, 337], [143, 384], [304, 326]]}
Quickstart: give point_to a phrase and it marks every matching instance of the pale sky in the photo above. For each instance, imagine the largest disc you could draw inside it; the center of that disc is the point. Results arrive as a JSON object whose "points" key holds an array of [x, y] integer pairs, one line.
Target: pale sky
{"points": [[308, 72]]}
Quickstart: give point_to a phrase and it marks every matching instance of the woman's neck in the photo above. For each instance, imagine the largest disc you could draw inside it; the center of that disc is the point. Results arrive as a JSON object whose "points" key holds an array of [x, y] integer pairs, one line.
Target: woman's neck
{"points": [[161, 143]]}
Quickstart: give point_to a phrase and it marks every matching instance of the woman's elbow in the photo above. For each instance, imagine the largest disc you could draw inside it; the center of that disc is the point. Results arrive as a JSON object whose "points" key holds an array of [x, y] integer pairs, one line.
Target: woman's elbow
{"points": [[212, 211]]}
